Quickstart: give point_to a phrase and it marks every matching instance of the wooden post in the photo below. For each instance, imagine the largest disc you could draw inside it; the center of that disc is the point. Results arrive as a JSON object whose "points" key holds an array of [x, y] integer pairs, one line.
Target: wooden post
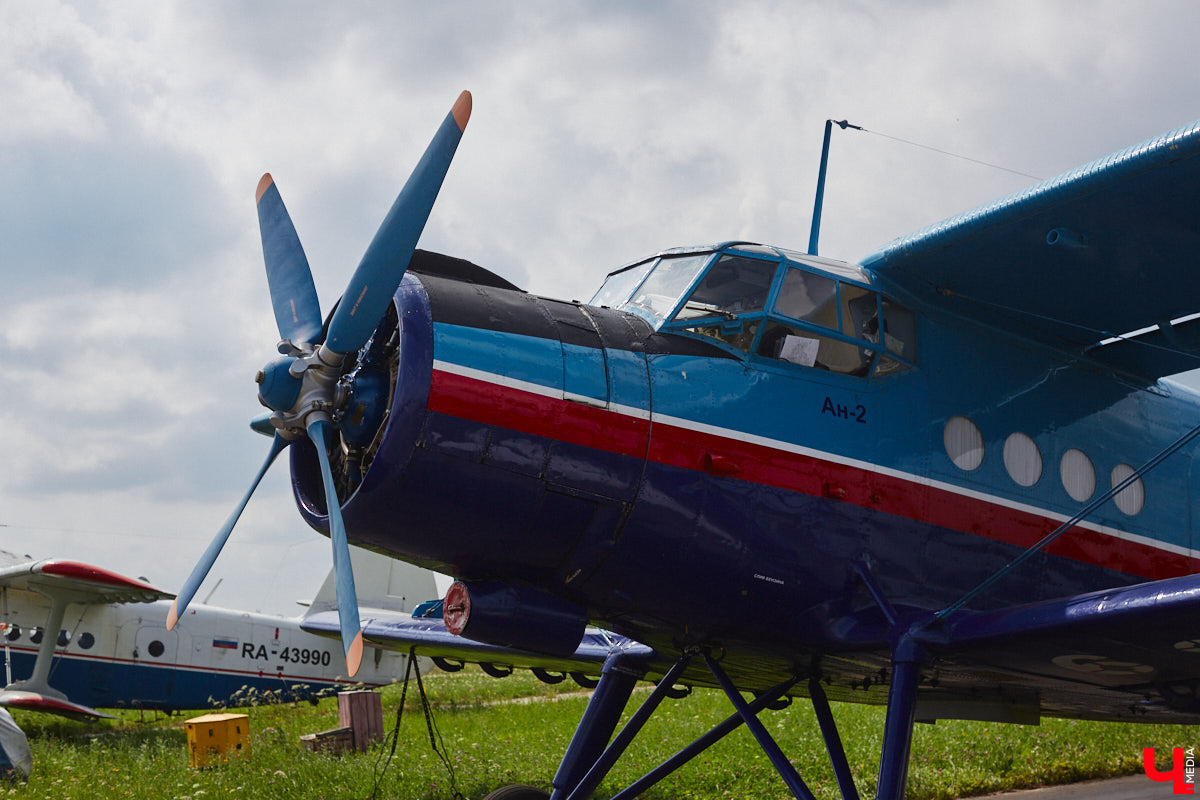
{"points": [[362, 712]]}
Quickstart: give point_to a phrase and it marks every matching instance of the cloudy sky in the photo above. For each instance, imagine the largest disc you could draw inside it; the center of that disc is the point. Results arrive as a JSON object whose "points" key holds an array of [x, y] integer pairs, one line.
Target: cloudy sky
{"points": [[134, 304]]}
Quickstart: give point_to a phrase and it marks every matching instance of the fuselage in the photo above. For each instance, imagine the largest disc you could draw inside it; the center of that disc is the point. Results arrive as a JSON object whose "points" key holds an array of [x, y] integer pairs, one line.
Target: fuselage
{"points": [[122, 656], [697, 473]]}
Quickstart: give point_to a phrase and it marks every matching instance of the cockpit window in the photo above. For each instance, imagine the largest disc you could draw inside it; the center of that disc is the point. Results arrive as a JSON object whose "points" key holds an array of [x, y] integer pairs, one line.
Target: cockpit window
{"points": [[860, 315], [620, 285], [659, 293], [810, 297], [735, 285]]}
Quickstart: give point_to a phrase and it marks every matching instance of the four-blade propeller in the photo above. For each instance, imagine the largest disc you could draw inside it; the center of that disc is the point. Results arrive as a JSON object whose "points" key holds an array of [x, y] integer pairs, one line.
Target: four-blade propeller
{"points": [[299, 386]]}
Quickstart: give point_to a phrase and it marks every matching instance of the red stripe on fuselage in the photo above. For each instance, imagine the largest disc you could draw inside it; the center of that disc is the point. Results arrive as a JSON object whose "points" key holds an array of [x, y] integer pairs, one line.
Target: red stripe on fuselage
{"points": [[562, 420], [538, 415]]}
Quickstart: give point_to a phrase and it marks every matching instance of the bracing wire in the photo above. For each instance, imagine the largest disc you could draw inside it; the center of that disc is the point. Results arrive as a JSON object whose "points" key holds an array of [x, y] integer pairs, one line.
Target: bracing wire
{"points": [[944, 152]]}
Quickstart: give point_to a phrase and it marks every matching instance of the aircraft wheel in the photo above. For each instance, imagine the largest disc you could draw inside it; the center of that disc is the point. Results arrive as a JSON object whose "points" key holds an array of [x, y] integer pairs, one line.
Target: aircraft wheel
{"points": [[447, 665], [496, 670], [549, 677], [584, 680], [518, 792]]}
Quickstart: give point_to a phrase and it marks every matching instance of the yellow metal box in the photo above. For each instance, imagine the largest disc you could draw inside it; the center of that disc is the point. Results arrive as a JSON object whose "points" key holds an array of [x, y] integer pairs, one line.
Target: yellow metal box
{"points": [[212, 738]]}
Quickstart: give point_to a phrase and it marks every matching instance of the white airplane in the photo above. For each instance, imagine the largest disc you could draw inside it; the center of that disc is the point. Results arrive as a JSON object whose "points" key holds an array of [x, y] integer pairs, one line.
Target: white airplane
{"points": [[110, 647]]}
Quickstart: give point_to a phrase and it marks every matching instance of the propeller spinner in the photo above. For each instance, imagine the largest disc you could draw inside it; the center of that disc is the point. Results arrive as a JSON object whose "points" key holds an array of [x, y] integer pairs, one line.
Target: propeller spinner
{"points": [[300, 387]]}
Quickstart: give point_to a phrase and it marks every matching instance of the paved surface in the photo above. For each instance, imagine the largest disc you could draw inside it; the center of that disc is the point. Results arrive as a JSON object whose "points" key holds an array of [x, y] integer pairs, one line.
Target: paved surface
{"points": [[1131, 787]]}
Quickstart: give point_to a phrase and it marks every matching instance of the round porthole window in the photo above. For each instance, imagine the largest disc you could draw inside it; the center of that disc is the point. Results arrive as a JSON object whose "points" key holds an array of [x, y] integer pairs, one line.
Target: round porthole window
{"points": [[1078, 475], [86, 640], [155, 648], [13, 634], [35, 635], [964, 443], [1022, 459], [64, 638], [1132, 498]]}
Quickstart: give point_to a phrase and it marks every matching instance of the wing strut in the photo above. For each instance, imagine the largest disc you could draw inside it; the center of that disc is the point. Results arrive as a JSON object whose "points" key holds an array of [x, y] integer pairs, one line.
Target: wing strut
{"points": [[1066, 526], [39, 680]]}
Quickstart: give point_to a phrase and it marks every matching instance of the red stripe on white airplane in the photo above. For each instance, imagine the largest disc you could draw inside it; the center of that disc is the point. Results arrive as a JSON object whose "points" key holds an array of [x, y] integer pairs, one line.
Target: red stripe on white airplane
{"points": [[86, 572]]}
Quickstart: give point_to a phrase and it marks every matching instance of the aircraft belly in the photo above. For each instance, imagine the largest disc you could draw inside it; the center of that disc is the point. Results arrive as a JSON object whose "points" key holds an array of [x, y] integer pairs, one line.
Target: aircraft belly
{"points": [[690, 561]]}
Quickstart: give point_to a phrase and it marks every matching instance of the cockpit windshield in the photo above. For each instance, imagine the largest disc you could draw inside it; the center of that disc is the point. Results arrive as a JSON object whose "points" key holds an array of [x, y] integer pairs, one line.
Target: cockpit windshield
{"points": [[660, 292], [777, 305], [620, 285]]}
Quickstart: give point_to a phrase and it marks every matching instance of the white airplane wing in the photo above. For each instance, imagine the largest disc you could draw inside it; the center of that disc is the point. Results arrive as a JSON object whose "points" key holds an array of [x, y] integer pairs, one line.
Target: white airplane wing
{"points": [[78, 583]]}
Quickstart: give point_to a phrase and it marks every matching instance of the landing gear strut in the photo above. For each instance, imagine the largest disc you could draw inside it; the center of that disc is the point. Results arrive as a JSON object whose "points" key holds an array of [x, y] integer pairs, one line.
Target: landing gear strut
{"points": [[591, 754]]}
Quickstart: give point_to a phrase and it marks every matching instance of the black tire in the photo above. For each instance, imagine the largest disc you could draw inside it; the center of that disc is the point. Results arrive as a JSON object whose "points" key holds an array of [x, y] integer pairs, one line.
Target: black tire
{"points": [[518, 792], [584, 680], [496, 670], [549, 677]]}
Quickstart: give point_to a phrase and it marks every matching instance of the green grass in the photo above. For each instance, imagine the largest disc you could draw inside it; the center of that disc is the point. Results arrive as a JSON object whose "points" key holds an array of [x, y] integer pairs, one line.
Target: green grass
{"points": [[514, 730]]}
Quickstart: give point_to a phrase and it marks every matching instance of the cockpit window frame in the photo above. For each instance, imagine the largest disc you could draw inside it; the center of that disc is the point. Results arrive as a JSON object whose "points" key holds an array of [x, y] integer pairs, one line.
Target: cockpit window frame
{"points": [[726, 327]]}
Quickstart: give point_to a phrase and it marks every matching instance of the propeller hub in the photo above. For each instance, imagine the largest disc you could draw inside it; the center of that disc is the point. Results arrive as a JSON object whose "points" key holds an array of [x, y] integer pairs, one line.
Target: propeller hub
{"points": [[278, 388], [300, 390]]}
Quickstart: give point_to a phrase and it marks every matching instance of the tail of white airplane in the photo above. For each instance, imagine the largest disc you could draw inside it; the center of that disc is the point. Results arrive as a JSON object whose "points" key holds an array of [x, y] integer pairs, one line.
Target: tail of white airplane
{"points": [[381, 583]]}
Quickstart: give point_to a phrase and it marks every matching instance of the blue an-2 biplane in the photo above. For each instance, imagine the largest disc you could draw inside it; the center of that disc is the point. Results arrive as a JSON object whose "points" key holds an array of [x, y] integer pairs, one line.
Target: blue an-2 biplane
{"points": [[952, 478]]}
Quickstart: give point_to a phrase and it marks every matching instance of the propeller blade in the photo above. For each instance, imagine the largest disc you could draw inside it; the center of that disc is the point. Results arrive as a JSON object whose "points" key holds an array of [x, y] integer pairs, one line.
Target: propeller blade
{"points": [[192, 584], [347, 600], [262, 424], [293, 295], [387, 257]]}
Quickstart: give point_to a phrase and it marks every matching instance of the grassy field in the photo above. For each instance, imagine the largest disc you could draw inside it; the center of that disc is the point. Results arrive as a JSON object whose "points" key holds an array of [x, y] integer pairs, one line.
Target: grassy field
{"points": [[514, 730]]}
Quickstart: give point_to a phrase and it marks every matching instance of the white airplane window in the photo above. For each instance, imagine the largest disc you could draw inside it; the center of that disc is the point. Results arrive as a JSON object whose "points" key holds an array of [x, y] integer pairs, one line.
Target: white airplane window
{"points": [[1132, 498], [86, 640], [963, 442], [734, 285], [1078, 475], [1022, 459], [670, 279], [809, 297]]}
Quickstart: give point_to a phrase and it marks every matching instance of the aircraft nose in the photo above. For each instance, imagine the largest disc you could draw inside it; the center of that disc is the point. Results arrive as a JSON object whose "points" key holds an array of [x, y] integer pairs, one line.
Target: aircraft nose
{"points": [[378, 407]]}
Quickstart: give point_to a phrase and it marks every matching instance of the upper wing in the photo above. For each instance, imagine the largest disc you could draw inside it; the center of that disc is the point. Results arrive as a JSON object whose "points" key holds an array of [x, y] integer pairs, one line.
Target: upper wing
{"points": [[1104, 250], [76, 582], [1131, 653]]}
